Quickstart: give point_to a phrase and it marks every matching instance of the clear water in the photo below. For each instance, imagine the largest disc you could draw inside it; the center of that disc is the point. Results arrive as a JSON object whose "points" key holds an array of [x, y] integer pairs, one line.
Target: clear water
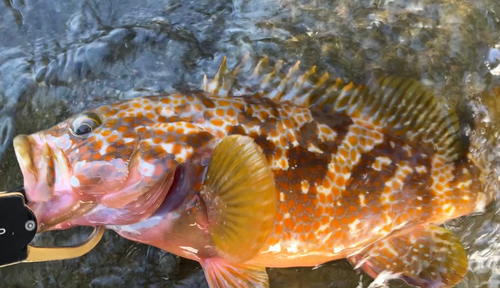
{"points": [[59, 57]]}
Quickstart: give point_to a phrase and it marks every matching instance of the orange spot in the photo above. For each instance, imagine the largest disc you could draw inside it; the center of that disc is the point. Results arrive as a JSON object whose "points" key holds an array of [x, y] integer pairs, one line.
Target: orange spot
{"points": [[288, 222], [353, 208], [340, 181], [310, 236], [110, 149], [340, 211], [335, 223], [106, 133], [300, 208], [316, 225], [157, 140], [98, 145], [264, 115], [128, 119], [299, 229], [122, 129], [305, 198], [110, 123], [353, 140], [306, 218], [329, 210], [309, 210], [159, 132], [346, 220], [396, 185], [231, 113], [322, 198], [112, 138], [198, 107], [148, 107], [108, 158], [219, 112], [318, 212], [439, 187], [344, 153], [217, 122], [160, 152], [279, 217], [120, 142], [278, 229], [136, 105], [291, 204], [354, 155], [338, 169], [111, 113], [283, 207], [150, 115], [325, 220], [165, 100], [97, 156], [362, 141]]}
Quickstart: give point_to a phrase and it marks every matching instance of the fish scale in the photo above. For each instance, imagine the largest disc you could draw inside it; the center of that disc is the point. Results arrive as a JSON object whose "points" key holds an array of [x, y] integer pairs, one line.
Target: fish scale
{"points": [[358, 172]]}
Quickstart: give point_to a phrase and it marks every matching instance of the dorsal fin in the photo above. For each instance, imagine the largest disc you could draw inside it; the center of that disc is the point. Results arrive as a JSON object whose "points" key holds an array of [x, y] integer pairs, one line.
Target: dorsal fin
{"points": [[400, 107]]}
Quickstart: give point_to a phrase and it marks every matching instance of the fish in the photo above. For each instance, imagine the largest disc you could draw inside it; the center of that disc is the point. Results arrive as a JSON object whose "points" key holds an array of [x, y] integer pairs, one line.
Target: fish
{"points": [[292, 169]]}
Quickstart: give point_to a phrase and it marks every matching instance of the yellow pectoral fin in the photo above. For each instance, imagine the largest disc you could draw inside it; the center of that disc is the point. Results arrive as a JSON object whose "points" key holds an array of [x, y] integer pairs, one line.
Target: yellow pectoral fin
{"points": [[239, 192], [220, 274], [428, 256]]}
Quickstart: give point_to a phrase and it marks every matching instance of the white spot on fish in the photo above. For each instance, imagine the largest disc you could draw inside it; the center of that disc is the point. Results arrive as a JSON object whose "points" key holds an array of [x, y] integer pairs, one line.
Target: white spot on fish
{"points": [[362, 200], [312, 148], [74, 181], [293, 248], [305, 186], [421, 169], [353, 227], [275, 248], [189, 249], [146, 169]]}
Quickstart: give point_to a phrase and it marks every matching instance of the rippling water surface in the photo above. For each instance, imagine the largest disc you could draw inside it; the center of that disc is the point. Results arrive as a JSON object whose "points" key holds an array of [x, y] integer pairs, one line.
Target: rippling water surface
{"points": [[60, 57]]}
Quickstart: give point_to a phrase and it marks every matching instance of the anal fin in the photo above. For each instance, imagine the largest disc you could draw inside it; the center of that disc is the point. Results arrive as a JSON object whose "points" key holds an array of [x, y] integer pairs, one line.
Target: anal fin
{"points": [[428, 256], [220, 274]]}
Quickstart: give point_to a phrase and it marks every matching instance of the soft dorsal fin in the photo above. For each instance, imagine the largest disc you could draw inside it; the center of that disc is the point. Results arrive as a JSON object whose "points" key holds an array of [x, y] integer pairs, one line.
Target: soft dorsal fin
{"points": [[400, 107]]}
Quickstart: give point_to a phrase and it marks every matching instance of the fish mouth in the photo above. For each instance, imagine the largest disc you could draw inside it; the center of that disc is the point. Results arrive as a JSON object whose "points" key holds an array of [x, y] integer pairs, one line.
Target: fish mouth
{"points": [[37, 168], [38, 164]]}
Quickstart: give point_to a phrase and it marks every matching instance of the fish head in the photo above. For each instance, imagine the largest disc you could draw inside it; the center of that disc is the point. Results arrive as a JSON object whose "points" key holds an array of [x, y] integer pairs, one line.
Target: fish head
{"points": [[119, 157]]}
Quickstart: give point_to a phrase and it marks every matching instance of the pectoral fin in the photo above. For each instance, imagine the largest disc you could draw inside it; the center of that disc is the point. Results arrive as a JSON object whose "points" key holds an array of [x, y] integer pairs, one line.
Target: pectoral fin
{"points": [[429, 256], [220, 274], [239, 192]]}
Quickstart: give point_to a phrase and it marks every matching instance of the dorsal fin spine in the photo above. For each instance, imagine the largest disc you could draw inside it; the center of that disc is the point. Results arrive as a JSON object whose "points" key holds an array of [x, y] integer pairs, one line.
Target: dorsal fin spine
{"points": [[401, 107]]}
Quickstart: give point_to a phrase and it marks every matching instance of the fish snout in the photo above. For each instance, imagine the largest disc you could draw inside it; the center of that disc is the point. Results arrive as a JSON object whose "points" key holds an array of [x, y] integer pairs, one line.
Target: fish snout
{"points": [[36, 159]]}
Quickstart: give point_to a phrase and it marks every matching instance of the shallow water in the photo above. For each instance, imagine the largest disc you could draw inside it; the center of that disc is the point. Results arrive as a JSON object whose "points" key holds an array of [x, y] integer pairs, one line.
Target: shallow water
{"points": [[60, 57]]}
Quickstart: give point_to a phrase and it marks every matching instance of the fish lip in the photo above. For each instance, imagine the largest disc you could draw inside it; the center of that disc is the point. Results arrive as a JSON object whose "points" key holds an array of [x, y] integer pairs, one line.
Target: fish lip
{"points": [[23, 151], [36, 165]]}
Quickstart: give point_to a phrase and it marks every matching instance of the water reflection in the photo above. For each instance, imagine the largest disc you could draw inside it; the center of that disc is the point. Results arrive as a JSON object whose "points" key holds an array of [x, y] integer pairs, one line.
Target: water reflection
{"points": [[59, 57]]}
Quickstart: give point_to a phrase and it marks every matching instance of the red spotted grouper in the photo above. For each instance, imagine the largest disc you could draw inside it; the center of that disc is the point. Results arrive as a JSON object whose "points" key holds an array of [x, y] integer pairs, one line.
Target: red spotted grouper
{"points": [[296, 170]]}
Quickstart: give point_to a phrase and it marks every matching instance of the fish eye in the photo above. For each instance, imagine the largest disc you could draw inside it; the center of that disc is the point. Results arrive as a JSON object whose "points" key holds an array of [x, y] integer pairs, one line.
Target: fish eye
{"points": [[85, 124]]}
